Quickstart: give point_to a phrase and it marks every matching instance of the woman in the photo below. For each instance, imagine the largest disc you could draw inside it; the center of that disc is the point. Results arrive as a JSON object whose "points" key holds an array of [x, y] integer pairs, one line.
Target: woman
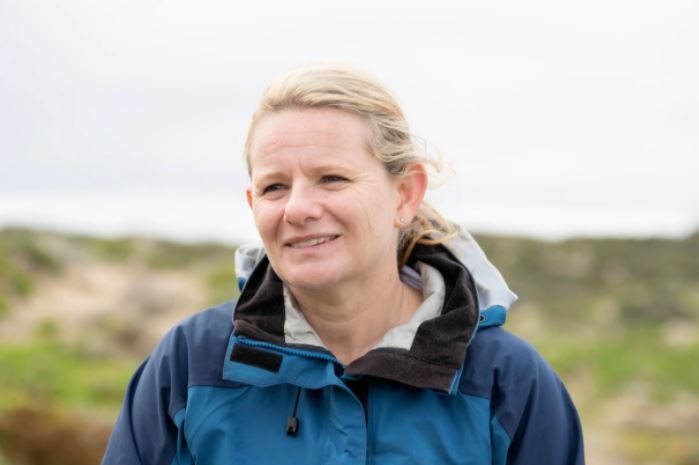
{"points": [[367, 330]]}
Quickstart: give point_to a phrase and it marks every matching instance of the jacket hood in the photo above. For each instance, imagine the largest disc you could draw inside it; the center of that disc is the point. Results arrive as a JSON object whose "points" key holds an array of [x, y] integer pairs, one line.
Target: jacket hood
{"points": [[493, 294]]}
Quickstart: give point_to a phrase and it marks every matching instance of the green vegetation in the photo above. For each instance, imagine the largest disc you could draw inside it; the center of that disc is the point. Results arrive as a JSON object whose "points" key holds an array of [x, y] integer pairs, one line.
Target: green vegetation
{"points": [[648, 281], [613, 360], [648, 445], [218, 278], [52, 374], [22, 257], [57, 404], [173, 255]]}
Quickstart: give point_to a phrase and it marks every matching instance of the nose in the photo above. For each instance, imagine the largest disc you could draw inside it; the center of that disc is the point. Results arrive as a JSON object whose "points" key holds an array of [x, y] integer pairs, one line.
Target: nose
{"points": [[302, 205]]}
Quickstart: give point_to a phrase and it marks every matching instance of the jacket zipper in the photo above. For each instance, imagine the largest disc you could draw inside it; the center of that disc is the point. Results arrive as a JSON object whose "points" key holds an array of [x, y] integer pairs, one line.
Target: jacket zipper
{"points": [[287, 350]]}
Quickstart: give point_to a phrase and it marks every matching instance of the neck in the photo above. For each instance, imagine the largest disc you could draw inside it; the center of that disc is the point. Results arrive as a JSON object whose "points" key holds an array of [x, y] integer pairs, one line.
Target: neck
{"points": [[352, 319]]}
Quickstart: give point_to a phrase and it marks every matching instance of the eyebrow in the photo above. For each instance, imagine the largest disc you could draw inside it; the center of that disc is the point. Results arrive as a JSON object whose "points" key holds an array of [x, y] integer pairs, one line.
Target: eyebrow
{"points": [[324, 167]]}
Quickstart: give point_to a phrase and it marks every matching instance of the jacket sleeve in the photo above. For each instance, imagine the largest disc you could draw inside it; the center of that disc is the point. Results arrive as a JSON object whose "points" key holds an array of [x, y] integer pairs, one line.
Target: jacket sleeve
{"points": [[535, 421], [145, 432]]}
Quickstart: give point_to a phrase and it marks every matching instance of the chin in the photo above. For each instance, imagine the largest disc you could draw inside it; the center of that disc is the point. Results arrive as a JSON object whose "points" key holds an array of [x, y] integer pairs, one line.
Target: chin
{"points": [[312, 278]]}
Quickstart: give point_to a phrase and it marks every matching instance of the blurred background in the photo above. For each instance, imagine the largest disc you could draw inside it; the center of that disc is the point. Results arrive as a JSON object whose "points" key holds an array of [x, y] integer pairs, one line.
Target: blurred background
{"points": [[569, 132]]}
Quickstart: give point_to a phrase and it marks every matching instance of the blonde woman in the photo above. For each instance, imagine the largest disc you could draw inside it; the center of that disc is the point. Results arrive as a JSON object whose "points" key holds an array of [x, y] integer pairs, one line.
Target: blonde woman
{"points": [[368, 330]]}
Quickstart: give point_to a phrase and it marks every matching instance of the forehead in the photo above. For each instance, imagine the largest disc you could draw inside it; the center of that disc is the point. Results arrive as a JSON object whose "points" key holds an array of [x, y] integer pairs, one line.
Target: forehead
{"points": [[325, 132]]}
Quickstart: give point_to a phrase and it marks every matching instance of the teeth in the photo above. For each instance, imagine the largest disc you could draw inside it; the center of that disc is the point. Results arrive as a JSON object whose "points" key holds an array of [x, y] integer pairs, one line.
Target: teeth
{"points": [[312, 242]]}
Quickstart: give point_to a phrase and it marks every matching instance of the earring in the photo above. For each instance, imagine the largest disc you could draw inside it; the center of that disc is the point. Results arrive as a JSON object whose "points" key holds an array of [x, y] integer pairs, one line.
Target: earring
{"points": [[401, 220]]}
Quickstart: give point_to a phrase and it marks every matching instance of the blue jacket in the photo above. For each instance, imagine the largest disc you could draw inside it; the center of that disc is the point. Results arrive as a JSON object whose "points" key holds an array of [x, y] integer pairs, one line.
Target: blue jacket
{"points": [[462, 391]]}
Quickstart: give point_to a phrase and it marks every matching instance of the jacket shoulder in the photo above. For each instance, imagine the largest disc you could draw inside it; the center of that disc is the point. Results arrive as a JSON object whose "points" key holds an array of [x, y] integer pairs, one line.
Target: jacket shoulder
{"points": [[529, 404], [493, 356], [195, 347], [214, 322], [191, 353]]}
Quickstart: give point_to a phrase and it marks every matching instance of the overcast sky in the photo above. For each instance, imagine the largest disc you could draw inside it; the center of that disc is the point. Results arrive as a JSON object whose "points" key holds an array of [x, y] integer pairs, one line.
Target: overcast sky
{"points": [[555, 118]]}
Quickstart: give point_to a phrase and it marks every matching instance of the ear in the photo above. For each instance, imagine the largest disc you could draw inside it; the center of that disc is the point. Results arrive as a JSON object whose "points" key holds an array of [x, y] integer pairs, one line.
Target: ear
{"points": [[248, 195], [411, 188]]}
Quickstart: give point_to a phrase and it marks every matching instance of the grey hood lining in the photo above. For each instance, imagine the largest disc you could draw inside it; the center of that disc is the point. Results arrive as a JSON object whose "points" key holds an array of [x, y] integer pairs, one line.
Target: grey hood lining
{"points": [[429, 281]]}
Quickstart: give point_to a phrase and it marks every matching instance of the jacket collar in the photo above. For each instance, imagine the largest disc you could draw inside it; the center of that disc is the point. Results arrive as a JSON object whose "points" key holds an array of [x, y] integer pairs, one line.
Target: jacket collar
{"points": [[436, 355], [494, 296]]}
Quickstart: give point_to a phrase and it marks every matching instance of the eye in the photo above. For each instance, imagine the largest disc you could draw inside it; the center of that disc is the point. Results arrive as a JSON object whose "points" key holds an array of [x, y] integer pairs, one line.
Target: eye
{"points": [[273, 188], [329, 178]]}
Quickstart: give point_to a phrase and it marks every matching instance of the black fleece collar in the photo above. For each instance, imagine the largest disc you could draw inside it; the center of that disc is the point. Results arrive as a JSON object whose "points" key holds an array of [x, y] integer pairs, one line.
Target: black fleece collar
{"points": [[439, 346]]}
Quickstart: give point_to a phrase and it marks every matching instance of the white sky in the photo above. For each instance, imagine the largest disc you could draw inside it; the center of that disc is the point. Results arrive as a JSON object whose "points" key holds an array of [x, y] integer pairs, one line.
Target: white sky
{"points": [[556, 118]]}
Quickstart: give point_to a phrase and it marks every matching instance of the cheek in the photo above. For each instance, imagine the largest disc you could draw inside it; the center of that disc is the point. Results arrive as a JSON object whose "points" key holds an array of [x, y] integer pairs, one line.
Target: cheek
{"points": [[378, 220], [265, 219]]}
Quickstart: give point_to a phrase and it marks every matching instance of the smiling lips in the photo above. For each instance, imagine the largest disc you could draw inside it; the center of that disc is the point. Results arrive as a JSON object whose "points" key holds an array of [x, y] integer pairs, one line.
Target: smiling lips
{"points": [[302, 243]]}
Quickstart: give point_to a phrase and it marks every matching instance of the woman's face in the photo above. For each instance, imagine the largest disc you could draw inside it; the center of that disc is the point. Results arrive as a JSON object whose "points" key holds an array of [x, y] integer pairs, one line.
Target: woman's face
{"points": [[327, 210]]}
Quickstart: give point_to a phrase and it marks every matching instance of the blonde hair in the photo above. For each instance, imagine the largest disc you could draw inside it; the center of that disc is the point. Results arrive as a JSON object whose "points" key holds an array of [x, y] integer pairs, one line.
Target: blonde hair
{"points": [[390, 140]]}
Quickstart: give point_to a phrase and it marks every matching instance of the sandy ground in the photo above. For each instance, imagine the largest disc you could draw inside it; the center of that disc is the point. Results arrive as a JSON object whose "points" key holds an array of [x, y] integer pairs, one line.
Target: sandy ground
{"points": [[86, 297]]}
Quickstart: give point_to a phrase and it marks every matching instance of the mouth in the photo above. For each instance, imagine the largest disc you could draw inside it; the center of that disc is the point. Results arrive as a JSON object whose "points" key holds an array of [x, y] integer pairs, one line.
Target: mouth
{"points": [[311, 242]]}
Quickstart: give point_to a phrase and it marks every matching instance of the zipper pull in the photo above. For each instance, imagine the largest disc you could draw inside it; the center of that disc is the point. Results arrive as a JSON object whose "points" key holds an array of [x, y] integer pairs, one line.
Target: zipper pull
{"points": [[292, 423], [292, 426]]}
